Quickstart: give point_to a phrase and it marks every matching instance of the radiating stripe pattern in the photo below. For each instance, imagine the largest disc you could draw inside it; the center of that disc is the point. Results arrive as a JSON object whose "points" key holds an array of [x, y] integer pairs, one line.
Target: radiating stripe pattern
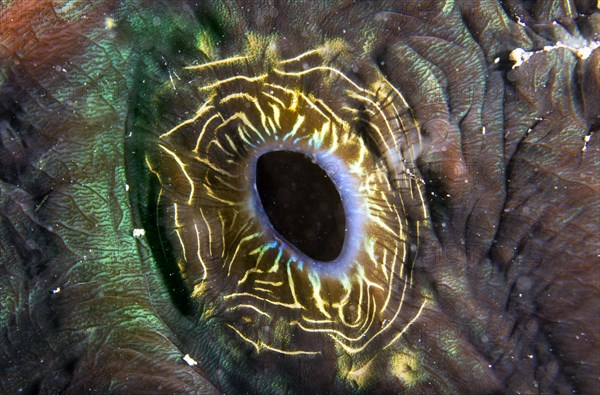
{"points": [[354, 124]]}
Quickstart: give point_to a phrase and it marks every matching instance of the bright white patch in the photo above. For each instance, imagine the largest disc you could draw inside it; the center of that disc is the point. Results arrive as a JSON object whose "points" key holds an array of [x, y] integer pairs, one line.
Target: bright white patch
{"points": [[55, 291], [137, 233], [580, 48], [127, 187], [519, 56], [190, 361]]}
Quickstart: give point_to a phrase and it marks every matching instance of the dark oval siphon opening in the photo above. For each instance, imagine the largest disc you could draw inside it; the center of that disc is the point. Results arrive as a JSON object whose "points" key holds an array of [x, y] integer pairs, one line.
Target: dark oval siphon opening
{"points": [[302, 203]]}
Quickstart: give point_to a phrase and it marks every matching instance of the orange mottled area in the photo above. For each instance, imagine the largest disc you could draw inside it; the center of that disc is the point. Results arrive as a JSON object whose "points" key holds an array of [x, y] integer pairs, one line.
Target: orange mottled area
{"points": [[59, 63], [42, 33]]}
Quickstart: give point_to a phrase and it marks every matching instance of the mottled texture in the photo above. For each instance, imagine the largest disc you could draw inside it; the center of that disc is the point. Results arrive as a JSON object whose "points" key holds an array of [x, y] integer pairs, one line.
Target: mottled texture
{"points": [[508, 250]]}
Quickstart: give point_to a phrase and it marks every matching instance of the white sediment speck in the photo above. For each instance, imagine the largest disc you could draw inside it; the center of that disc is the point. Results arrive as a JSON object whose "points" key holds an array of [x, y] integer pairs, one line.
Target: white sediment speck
{"points": [[137, 233], [109, 23], [586, 140], [55, 291], [190, 361]]}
